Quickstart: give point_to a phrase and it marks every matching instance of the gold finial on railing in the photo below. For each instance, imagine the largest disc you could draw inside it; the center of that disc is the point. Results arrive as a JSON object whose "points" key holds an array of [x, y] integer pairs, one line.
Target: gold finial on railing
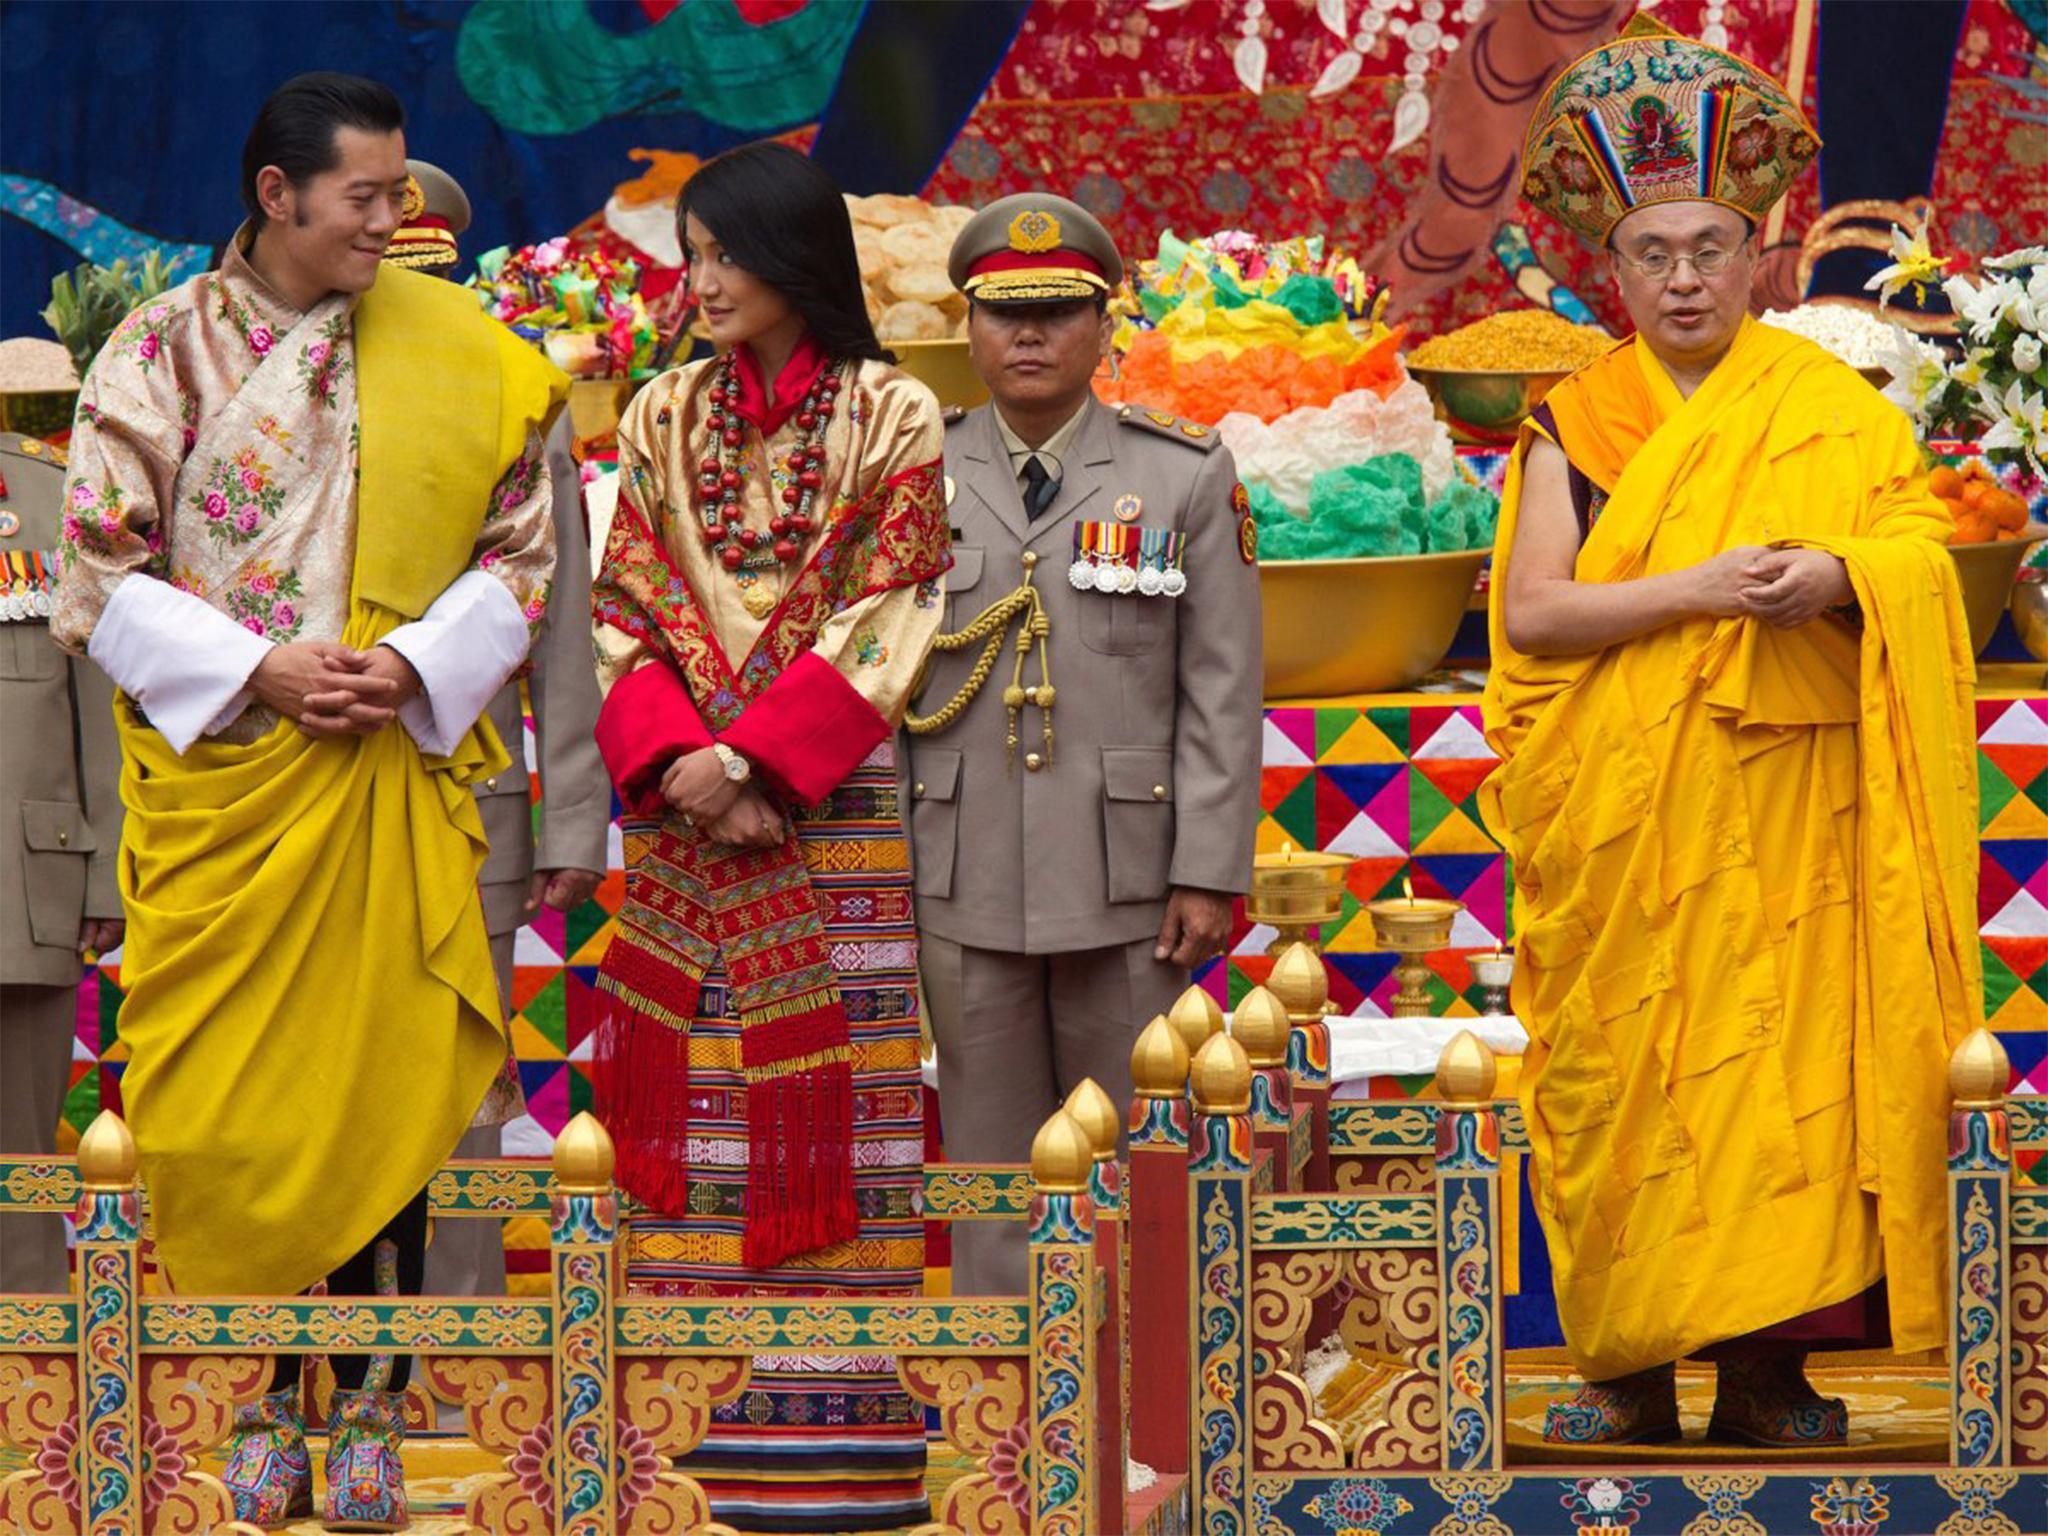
{"points": [[1466, 1072], [1221, 1078], [1978, 1072], [1096, 1112], [1197, 1016], [1300, 981], [1159, 1061], [584, 1156], [106, 1153], [1061, 1155], [1261, 1026]]}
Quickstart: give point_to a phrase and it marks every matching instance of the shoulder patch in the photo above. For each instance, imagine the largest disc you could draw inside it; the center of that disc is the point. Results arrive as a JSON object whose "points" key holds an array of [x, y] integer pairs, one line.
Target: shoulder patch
{"points": [[953, 415], [1165, 424]]}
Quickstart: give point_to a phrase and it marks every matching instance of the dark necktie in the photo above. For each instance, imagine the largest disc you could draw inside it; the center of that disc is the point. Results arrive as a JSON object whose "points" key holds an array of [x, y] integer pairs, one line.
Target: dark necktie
{"points": [[1039, 487]]}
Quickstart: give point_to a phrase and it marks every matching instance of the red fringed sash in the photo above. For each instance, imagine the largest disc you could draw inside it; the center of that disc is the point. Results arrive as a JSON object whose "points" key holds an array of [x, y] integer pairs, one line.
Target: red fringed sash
{"points": [[690, 902]]}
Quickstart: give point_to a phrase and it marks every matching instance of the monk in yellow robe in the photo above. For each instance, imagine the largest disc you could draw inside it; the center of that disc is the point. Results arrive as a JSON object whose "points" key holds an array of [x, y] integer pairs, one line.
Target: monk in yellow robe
{"points": [[1732, 689]]}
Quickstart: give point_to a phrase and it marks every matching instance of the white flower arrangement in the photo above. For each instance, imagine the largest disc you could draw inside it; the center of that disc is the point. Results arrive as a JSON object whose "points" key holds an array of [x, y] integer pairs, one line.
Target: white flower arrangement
{"points": [[1997, 391]]}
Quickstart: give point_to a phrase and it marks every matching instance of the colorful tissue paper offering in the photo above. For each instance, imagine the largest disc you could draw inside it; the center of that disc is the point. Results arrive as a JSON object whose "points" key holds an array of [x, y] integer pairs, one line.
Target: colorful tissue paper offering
{"points": [[1231, 324], [581, 306]]}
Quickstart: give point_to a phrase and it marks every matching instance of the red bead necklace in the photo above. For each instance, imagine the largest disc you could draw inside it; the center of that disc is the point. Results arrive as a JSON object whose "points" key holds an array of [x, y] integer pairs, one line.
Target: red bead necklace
{"points": [[735, 546]]}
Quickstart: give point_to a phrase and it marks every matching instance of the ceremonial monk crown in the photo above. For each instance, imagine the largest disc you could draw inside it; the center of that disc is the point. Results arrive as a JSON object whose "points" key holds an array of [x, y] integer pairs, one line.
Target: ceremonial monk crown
{"points": [[1652, 117]]}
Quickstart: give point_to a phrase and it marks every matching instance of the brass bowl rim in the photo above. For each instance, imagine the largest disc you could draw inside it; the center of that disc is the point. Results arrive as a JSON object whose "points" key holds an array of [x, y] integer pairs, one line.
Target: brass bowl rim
{"points": [[2033, 533], [1425, 372], [1474, 555]]}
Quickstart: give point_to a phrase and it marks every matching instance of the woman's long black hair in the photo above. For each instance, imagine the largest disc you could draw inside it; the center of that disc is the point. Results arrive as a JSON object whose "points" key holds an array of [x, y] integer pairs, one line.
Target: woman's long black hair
{"points": [[782, 218]]}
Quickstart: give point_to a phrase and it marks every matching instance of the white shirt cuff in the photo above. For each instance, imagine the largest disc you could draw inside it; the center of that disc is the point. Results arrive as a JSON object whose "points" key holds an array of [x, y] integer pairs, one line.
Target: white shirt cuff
{"points": [[464, 647], [184, 662]]}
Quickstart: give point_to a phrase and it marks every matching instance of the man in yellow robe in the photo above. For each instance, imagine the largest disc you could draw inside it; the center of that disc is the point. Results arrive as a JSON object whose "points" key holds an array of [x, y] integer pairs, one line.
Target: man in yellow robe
{"points": [[308, 531], [1732, 689]]}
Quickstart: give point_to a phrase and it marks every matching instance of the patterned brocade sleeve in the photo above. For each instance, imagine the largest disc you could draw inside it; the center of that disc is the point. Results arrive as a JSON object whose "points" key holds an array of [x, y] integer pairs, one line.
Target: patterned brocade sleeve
{"points": [[517, 541], [835, 703], [125, 456]]}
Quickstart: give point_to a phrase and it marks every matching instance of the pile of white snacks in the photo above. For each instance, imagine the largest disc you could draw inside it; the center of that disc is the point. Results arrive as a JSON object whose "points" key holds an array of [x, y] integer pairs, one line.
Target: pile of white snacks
{"points": [[903, 244]]}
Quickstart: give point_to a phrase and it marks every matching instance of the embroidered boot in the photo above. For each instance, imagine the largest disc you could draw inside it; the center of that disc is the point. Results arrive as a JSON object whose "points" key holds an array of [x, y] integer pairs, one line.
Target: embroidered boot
{"points": [[365, 1476], [1762, 1397], [269, 1471], [1639, 1409]]}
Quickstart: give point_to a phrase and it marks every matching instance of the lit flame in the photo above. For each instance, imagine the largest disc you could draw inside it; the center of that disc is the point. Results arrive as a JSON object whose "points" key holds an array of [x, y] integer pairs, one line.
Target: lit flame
{"points": [[1408, 889]]}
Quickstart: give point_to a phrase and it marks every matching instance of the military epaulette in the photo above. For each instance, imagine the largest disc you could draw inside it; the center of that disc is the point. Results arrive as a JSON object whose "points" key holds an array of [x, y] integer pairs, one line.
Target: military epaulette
{"points": [[1165, 424], [34, 448], [953, 415]]}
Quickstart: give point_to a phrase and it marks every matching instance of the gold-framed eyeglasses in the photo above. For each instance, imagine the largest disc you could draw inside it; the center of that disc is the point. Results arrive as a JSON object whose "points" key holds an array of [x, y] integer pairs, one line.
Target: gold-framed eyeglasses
{"points": [[1662, 266]]}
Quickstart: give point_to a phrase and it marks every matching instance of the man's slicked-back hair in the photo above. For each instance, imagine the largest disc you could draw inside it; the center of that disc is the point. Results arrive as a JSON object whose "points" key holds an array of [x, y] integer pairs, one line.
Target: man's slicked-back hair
{"points": [[295, 129]]}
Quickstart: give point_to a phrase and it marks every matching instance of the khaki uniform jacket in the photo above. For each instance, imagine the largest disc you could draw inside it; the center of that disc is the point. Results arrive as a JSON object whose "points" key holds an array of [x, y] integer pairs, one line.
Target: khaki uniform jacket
{"points": [[1153, 780], [576, 796], [60, 762]]}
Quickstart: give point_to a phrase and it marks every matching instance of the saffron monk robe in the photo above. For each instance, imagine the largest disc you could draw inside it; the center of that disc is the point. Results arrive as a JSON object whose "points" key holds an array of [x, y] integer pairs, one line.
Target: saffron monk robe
{"points": [[308, 534], [1732, 692]]}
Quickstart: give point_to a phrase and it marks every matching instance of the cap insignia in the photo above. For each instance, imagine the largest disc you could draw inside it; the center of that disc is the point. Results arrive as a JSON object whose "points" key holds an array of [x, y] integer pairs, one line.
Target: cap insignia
{"points": [[1034, 230]]}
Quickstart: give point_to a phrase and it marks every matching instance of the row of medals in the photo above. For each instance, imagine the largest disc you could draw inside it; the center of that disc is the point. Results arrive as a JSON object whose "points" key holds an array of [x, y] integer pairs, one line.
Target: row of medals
{"points": [[1114, 578], [31, 604]]}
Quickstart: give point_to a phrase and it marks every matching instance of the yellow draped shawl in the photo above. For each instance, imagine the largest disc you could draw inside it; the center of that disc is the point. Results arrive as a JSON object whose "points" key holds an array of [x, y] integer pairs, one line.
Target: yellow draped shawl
{"points": [[312, 1015], [1745, 870]]}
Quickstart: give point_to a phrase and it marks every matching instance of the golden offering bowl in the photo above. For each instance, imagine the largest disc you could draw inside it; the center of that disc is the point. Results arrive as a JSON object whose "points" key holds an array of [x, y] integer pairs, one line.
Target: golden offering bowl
{"points": [[1485, 406], [944, 368], [1296, 892], [1987, 571], [1335, 627], [1413, 926]]}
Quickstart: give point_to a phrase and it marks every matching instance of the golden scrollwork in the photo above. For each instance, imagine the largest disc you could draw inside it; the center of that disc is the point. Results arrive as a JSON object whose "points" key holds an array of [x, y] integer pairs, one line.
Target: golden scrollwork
{"points": [[31, 1322], [1394, 1307], [822, 1327], [1383, 1175], [1285, 1286], [39, 1417], [1471, 1496], [1724, 1494], [489, 1189], [1976, 1491], [982, 1413], [42, 1185], [505, 1409], [1405, 1436], [2030, 1356], [188, 1405], [668, 1403], [1286, 1435], [1393, 1315]]}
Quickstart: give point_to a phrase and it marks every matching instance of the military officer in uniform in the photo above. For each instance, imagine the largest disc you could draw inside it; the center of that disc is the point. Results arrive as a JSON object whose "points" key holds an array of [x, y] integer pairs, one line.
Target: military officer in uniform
{"points": [[559, 868], [1078, 828], [60, 833]]}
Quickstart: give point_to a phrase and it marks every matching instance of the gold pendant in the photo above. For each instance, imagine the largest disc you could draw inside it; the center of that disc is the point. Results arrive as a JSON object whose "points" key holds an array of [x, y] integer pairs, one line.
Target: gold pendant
{"points": [[759, 598]]}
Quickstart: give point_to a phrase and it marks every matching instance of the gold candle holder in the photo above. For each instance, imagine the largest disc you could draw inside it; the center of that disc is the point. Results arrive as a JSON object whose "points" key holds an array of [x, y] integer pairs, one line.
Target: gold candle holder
{"points": [[1413, 926], [1296, 892]]}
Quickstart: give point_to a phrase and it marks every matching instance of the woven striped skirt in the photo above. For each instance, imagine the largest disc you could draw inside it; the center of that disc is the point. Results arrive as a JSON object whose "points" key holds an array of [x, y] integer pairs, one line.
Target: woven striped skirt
{"points": [[816, 1443]]}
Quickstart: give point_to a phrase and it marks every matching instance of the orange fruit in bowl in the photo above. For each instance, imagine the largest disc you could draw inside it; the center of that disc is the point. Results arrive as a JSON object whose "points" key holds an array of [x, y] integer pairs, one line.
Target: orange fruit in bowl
{"points": [[1945, 482]]}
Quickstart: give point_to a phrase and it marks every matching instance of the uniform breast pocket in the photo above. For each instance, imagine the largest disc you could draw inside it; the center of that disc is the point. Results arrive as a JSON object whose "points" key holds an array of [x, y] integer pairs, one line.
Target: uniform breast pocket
{"points": [[1123, 623], [964, 598], [27, 653]]}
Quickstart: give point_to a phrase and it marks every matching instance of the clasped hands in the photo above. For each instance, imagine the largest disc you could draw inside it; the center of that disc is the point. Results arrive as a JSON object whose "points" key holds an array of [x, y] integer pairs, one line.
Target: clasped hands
{"points": [[1783, 587], [335, 690], [738, 815]]}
